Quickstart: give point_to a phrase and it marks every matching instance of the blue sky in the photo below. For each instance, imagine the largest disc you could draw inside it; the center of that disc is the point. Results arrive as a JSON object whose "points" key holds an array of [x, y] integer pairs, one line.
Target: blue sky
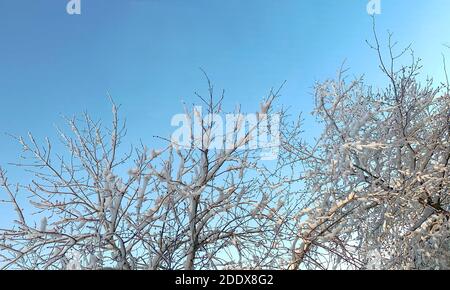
{"points": [[146, 53]]}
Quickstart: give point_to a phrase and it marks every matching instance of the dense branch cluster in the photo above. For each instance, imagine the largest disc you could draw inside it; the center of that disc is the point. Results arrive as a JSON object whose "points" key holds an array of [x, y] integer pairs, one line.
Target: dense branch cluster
{"points": [[372, 191]]}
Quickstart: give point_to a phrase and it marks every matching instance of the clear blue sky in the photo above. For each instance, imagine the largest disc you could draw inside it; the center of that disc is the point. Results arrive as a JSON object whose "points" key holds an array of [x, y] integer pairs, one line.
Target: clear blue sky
{"points": [[146, 53]]}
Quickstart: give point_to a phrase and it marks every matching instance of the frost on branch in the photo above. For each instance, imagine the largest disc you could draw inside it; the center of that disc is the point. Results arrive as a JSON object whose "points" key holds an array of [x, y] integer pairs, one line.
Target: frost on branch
{"points": [[378, 176], [370, 192], [104, 205]]}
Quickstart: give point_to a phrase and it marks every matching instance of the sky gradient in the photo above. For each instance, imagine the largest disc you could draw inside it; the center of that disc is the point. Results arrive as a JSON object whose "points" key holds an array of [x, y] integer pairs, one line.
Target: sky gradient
{"points": [[147, 55]]}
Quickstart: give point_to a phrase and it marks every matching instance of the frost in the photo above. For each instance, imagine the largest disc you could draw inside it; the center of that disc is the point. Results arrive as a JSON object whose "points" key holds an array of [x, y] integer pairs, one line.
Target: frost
{"points": [[43, 225]]}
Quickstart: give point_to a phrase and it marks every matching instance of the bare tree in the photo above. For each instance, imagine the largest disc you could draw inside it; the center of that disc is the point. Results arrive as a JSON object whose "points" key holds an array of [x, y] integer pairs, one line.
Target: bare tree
{"points": [[176, 208], [372, 191], [379, 173]]}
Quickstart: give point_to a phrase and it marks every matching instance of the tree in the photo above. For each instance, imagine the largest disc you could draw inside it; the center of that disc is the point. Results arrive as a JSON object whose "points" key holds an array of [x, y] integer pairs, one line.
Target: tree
{"points": [[379, 172], [371, 192], [181, 207]]}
